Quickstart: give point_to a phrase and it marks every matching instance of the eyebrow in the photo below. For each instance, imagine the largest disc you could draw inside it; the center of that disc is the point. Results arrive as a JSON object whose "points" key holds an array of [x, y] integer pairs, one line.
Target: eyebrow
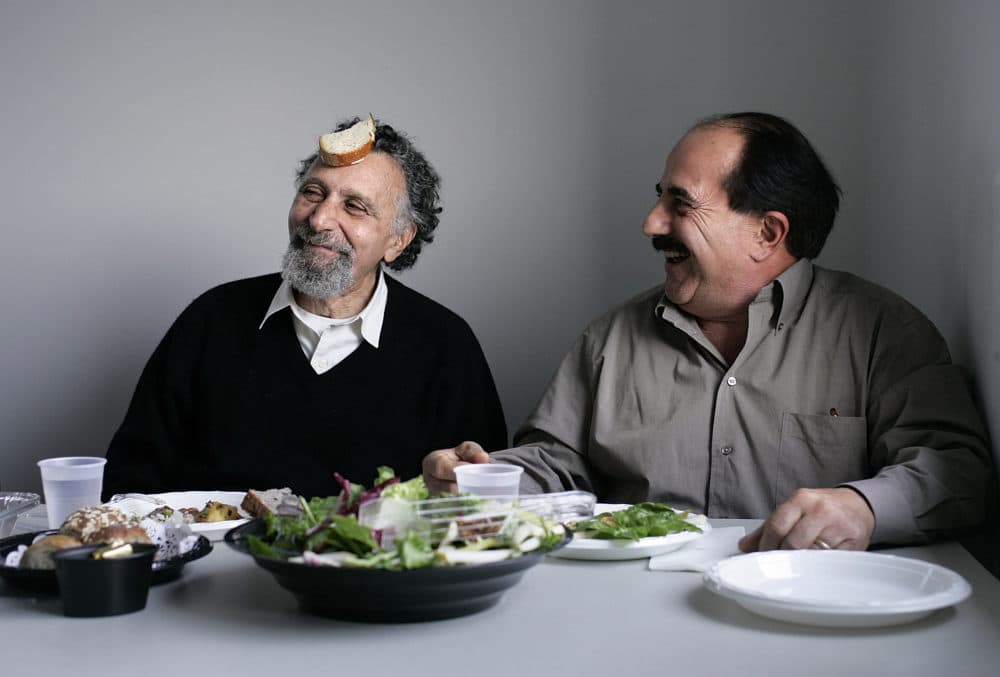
{"points": [[680, 193]]}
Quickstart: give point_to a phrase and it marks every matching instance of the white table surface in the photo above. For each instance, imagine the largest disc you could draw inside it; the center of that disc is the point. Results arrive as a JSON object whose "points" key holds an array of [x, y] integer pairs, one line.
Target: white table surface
{"points": [[226, 616]]}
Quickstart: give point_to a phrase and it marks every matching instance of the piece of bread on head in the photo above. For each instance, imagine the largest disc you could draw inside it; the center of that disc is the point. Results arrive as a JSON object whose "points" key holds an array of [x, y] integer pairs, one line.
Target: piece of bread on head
{"points": [[348, 146]]}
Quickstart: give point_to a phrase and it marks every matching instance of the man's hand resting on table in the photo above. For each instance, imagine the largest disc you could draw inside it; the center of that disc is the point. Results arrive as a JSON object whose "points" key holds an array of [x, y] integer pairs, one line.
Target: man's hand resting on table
{"points": [[439, 466], [839, 518]]}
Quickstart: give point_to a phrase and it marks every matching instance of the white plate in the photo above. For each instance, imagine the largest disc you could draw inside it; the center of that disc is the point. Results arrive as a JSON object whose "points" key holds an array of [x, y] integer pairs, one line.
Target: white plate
{"points": [[141, 504], [214, 531], [836, 588], [604, 549]]}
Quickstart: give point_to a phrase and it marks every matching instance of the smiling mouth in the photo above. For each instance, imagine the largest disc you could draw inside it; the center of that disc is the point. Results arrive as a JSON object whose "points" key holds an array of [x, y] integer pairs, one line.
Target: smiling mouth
{"points": [[317, 245], [305, 238], [673, 250]]}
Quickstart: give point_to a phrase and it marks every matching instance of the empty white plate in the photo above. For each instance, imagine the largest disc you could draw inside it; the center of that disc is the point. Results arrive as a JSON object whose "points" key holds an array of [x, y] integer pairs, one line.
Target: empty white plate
{"points": [[836, 588]]}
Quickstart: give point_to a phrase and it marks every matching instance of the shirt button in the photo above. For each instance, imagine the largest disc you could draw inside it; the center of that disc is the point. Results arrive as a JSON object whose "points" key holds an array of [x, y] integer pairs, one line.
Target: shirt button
{"points": [[726, 451], [731, 381]]}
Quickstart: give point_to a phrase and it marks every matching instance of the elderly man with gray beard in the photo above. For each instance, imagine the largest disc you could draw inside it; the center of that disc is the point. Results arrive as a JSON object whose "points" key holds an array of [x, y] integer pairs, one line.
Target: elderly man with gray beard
{"points": [[331, 366]]}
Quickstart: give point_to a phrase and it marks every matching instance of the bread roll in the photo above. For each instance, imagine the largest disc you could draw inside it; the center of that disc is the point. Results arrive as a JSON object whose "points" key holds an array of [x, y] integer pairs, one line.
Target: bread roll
{"points": [[348, 146], [39, 554], [84, 522], [118, 534]]}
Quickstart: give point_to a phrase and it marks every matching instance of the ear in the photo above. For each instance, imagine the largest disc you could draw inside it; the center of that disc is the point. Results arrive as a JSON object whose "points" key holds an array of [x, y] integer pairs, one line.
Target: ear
{"points": [[398, 243], [770, 235]]}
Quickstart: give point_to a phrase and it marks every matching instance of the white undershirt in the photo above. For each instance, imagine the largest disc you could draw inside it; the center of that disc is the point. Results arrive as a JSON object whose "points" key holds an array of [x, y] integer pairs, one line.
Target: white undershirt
{"points": [[326, 341]]}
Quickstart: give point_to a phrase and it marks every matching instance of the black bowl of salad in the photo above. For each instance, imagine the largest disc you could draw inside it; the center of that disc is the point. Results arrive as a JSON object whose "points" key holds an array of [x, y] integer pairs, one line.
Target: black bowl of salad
{"points": [[408, 568]]}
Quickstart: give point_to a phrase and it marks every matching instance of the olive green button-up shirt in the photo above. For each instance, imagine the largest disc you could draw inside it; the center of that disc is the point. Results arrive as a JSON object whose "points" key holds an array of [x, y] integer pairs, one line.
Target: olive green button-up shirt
{"points": [[841, 382]]}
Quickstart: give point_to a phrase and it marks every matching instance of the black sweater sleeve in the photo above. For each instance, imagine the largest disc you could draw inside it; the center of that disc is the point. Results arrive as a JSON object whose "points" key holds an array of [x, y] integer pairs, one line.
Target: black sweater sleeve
{"points": [[148, 453]]}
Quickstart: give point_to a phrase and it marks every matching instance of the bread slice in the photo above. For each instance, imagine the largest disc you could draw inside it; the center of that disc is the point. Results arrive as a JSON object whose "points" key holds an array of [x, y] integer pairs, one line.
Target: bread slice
{"points": [[259, 503], [348, 146]]}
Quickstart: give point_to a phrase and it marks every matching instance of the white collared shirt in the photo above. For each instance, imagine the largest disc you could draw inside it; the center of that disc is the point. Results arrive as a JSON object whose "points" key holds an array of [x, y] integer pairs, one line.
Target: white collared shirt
{"points": [[326, 341]]}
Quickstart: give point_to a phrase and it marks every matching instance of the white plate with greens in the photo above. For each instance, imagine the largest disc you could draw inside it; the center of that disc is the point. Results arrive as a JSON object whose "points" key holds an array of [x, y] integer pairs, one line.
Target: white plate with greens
{"points": [[624, 549]]}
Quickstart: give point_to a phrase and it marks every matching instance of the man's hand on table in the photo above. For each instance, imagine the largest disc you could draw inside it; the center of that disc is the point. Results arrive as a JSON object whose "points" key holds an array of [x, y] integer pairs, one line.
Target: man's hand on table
{"points": [[439, 466], [839, 518]]}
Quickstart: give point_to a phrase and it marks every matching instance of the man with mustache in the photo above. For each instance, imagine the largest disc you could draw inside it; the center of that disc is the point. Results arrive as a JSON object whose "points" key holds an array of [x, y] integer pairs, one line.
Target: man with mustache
{"points": [[330, 367], [753, 383]]}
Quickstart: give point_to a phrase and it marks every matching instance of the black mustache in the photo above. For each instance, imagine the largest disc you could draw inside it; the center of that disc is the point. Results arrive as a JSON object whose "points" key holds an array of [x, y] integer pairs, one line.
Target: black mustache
{"points": [[663, 242]]}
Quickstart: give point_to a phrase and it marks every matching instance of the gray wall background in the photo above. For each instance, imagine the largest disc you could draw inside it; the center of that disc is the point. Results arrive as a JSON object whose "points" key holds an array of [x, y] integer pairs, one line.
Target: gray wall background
{"points": [[148, 151]]}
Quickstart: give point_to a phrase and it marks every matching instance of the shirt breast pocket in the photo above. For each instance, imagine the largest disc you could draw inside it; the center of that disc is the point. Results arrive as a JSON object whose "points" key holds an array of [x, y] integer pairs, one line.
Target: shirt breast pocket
{"points": [[820, 452]]}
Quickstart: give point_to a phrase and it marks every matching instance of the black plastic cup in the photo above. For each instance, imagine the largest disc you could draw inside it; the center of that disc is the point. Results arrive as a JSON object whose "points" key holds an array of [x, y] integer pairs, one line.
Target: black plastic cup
{"points": [[103, 587]]}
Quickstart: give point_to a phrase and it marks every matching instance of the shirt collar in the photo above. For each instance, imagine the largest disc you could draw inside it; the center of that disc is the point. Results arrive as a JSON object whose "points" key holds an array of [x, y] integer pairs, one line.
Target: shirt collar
{"points": [[790, 290], [787, 292], [371, 316]]}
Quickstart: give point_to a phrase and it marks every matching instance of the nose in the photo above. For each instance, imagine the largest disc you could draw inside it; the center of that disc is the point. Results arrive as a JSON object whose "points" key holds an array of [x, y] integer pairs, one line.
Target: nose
{"points": [[657, 221], [323, 216]]}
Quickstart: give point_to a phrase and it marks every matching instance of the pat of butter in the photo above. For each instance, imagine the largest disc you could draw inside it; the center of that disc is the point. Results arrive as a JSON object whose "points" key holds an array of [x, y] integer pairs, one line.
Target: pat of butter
{"points": [[113, 553]]}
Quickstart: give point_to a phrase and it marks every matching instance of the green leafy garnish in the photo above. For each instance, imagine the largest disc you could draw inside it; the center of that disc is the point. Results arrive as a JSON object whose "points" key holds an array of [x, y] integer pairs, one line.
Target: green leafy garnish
{"points": [[638, 521], [410, 490]]}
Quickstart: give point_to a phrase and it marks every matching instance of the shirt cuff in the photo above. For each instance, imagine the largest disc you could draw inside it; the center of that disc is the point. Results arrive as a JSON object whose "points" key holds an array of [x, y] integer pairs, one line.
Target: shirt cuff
{"points": [[894, 521]]}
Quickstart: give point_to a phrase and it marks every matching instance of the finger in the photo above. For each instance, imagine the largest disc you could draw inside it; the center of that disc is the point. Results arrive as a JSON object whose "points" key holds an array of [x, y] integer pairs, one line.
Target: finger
{"points": [[441, 488], [835, 517], [438, 469], [751, 541], [804, 534], [471, 452], [823, 543], [778, 525]]}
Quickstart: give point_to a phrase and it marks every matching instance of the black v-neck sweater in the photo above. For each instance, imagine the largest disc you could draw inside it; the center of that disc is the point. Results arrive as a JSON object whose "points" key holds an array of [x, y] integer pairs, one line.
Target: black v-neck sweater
{"points": [[224, 404]]}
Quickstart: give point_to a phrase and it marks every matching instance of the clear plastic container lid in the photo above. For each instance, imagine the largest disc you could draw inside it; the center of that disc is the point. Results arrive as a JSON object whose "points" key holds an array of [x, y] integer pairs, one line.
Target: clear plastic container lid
{"points": [[12, 504]]}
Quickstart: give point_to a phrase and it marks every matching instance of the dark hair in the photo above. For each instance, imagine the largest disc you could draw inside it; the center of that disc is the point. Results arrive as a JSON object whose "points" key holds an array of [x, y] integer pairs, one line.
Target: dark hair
{"points": [[779, 170], [422, 186]]}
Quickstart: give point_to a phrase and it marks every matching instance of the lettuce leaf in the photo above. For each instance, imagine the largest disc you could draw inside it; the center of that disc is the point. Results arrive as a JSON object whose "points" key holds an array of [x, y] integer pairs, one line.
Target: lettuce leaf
{"points": [[638, 521]]}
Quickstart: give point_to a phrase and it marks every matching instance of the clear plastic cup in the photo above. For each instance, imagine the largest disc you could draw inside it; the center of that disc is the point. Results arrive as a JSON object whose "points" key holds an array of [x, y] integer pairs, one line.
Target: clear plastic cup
{"points": [[488, 479], [70, 483]]}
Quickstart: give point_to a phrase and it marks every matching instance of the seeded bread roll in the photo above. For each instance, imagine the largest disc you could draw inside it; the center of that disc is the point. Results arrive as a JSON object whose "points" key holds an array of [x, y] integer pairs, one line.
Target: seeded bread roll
{"points": [[118, 534], [84, 522], [348, 146], [39, 554]]}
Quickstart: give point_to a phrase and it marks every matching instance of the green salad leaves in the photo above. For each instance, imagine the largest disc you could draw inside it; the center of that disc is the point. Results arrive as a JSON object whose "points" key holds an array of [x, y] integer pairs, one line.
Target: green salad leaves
{"points": [[398, 531], [638, 521]]}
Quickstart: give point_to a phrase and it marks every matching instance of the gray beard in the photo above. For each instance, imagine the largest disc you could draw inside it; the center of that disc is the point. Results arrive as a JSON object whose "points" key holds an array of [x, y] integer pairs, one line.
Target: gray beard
{"points": [[310, 277]]}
